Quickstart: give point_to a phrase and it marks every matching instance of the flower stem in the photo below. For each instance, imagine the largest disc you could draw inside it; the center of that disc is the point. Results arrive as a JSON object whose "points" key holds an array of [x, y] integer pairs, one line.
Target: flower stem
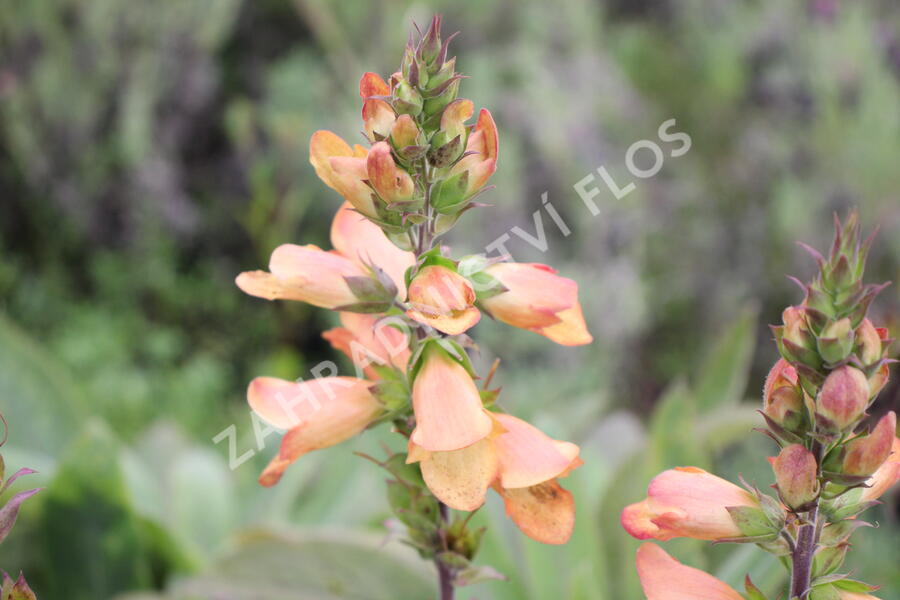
{"points": [[445, 577], [803, 556], [807, 540]]}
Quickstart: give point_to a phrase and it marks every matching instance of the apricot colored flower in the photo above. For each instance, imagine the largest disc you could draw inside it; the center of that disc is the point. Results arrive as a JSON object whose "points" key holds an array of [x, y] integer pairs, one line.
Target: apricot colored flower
{"points": [[343, 169], [538, 299], [448, 408], [378, 119], [521, 463], [686, 502], [444, 299], [529, 464], [316, 414], [369, 341], [664, 578], [885, 477], [484, 146], [318, 277]]}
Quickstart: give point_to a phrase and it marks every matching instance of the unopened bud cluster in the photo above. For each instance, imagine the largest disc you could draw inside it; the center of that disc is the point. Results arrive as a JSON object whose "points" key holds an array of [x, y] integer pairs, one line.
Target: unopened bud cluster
{"points": [[829, 468]]}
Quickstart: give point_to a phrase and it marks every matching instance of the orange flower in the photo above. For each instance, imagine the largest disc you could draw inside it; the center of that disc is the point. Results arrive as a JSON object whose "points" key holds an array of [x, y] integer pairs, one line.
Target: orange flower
{"points": [[521, 463], [885, 477], [529, 464], [484, 146], [538, 299], [447, 405], [394, 185], [444, 299], [378, 118], [371, 84], [310, 274], [369, 340], [664, 578], [316, 414], [343, 169], [686, 502]]}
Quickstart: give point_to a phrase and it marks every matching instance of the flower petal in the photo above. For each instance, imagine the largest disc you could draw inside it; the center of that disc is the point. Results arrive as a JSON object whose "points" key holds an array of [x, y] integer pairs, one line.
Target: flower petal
{"points": [[885, 477], [528, 456], [460, 478], [364, 242], [544, 512], [322, 147], [448, 408], [391, 183], [369, 339], [371, 84], [664, 578], [317, 414], [306, 273]]}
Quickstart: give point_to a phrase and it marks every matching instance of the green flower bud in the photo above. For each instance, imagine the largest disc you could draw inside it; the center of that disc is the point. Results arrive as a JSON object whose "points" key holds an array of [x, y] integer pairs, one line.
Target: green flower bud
{"points": [[836, 341]]}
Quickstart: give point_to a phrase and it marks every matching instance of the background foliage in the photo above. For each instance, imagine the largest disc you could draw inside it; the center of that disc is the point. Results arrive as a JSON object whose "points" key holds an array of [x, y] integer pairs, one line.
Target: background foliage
{"points": [[150, 151]]}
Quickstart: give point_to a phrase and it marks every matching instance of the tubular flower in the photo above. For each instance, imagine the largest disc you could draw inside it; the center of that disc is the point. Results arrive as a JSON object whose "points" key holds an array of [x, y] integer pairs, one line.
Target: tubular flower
{"points": [[484, 146], [343, 169], [369, 340], [885, 477], [529, 464], [664, 578], [448, 408], [686, 502], [521, 463], [538, 299], [444, 299], [316, 414], [310, 274]]}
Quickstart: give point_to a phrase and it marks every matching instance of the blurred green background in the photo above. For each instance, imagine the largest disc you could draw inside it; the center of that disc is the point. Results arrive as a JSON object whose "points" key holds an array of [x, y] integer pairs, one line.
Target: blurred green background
{"points": [[149, 151]]}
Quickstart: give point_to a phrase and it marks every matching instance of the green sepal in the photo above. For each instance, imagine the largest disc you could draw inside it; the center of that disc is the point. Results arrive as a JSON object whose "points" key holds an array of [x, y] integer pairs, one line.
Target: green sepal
{"points": [[753, 592], [449, 196], [753, 522], [477, 574], [838, 533], [829, 559], [415, 508]]}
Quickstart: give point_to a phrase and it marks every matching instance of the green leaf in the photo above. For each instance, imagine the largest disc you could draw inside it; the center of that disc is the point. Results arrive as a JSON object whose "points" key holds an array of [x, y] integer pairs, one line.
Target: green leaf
{"points": [[267, 566], [40, 399], [93, 541], [723, 375]]}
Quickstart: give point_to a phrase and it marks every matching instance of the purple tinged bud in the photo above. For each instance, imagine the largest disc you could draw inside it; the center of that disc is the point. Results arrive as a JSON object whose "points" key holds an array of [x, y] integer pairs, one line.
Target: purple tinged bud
{"points": [[843, 399], [796, 474], [863, 455]]}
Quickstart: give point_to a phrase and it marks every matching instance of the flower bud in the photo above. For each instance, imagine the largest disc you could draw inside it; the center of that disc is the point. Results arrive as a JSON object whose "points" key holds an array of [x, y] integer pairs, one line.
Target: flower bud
{"points": [[444, 299], [407, 100], [797, 341], [16, 590], [404, 132], [836, 341], [864, 455], [842, 399], [782, 396], [796, 473], [869, 342], [378, 118], [394, 185]]}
